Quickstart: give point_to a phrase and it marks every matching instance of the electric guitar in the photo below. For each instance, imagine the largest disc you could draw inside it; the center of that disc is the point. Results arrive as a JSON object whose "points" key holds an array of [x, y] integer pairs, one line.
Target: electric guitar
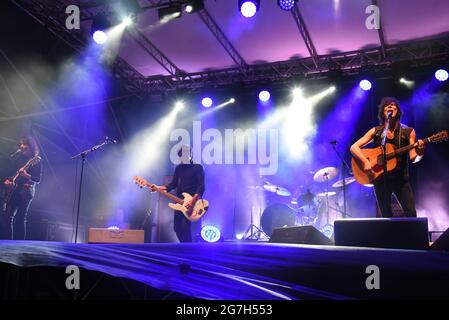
{"points": [[375, 157], [192, 214], [13, 186]]}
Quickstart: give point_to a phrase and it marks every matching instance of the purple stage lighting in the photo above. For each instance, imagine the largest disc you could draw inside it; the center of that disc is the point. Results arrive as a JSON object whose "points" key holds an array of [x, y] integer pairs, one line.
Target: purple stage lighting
{"points": [[206, 102], [365, 85], [100, 36], [248, 8], [441, 75], [286, 5], [264, 96]]}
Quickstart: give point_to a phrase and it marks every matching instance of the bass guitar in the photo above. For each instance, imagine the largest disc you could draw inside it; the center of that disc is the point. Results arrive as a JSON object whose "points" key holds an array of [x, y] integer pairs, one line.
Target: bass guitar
{"points": [[192, 214]]}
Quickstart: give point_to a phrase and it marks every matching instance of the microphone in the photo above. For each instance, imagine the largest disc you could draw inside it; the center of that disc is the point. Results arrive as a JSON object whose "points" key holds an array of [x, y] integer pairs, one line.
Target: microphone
{"points": [[333, 142], [12, 155], [110, 140], [389, 114]]}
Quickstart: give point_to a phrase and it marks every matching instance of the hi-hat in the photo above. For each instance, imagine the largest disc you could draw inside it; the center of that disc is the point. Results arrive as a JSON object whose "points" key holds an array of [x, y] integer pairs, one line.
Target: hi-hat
{"points": [[347, 181], [325, 174]]}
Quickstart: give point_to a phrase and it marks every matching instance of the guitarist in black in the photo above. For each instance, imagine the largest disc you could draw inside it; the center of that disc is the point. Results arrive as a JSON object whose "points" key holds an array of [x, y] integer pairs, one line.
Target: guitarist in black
{"points": [[397, 181], [188, 177], [22, 190]]}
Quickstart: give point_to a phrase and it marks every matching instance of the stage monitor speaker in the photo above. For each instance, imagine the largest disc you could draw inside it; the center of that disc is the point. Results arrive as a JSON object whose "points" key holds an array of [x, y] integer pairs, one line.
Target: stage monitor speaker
{"points": [[300, 235], [395, 233], [442, 243]]}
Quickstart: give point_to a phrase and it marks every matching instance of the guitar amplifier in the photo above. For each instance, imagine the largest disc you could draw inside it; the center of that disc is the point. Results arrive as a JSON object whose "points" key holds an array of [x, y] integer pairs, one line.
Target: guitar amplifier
{"points": [[103, 235]]}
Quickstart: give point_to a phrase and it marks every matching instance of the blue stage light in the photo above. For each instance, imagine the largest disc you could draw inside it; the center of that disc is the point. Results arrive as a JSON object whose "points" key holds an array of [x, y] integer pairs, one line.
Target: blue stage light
{"points": [[248, 8], [206, 102], [264, 96], [365, 85], [287, 5], [441, 75]]}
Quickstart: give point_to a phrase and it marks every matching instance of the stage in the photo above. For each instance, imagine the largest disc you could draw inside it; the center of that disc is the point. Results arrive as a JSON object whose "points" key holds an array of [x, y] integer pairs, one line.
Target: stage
{"points": [[239, 270]]}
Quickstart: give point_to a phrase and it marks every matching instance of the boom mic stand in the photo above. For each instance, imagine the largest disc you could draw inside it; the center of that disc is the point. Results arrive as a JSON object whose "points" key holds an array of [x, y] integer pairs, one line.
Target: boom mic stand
{"points": [[384, 159], [83, 156], [343, 165]]}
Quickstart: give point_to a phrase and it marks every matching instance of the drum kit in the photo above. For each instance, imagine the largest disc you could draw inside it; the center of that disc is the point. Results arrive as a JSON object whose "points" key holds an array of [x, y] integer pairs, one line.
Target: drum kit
{"points": [[305, 208]]}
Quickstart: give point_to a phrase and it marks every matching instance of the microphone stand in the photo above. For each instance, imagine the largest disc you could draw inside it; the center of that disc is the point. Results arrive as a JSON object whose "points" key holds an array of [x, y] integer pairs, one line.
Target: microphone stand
{"points": [[384, 160], [83, 156], [343, 165]]}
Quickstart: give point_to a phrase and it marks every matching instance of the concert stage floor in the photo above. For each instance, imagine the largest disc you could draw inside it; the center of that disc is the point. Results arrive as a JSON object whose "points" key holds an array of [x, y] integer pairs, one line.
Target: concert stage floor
{"points": [[237, 270]]}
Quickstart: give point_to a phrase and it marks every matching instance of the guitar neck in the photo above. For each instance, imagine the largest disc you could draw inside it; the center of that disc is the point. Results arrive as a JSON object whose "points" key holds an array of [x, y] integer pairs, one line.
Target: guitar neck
{"points": [[170, 196], [402, 150]]}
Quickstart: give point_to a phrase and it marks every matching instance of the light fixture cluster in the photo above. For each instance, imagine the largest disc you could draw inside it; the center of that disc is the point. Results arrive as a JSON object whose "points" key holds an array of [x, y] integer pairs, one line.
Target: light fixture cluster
{"points": [[248, 8], [176, 9]]}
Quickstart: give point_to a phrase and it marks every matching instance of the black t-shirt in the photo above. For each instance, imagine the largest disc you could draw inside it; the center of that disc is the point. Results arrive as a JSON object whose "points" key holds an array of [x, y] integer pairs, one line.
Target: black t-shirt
{"points": [[188, 178], [34, 170], [401, 139]]}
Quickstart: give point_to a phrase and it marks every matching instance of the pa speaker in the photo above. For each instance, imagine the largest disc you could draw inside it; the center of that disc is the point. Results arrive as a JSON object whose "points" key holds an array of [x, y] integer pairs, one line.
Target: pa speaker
{"points": [[300, 235], [442, 243], [396, 233]]}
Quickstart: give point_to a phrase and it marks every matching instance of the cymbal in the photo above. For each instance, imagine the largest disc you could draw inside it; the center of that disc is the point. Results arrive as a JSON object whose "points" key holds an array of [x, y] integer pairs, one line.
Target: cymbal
{"points": [[283, 192], [347, 180], [325, 174], [324, 194], [280, 191]]}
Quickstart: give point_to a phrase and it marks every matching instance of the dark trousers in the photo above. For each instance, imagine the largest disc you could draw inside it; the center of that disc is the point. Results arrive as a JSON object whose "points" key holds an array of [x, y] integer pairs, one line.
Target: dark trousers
{"points": [[403, 191], [182, 227], [14, 221]]}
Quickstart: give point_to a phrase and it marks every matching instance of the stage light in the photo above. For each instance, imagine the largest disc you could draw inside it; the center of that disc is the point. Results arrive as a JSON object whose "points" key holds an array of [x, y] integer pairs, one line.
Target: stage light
{"points": [[264, 96], [441, 75], [206, 102], [194, 6], [210, 234], [127, 21], [179, 106], [100, 24], [287, 5], [232, 100], [409, 84], [296, 92], [365, 85], [248, 8], [169, 13], [100, 37]]}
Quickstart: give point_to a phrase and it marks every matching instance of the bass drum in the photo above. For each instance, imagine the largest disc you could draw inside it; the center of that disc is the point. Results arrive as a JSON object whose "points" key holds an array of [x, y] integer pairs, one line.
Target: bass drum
{"points": [[275, 216]]}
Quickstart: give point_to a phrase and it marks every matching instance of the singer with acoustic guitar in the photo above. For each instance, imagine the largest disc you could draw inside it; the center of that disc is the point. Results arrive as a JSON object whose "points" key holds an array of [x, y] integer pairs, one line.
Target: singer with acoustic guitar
{"points": [[397, 176], [20, 189]]}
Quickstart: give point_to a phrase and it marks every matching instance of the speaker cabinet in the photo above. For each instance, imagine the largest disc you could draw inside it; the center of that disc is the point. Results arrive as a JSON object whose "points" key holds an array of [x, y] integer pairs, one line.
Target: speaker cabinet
{"points": [[300, 235], [442, 243], [395, 233]]}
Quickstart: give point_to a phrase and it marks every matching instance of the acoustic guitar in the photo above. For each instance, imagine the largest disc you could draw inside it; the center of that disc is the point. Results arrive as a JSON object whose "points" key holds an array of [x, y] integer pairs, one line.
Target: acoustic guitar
{"points": [[375, 157]]}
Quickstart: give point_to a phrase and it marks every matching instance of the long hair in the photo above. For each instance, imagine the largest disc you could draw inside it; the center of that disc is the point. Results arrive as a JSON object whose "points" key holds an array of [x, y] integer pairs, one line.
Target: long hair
{"points": [[31, 143], [385, 102]]}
